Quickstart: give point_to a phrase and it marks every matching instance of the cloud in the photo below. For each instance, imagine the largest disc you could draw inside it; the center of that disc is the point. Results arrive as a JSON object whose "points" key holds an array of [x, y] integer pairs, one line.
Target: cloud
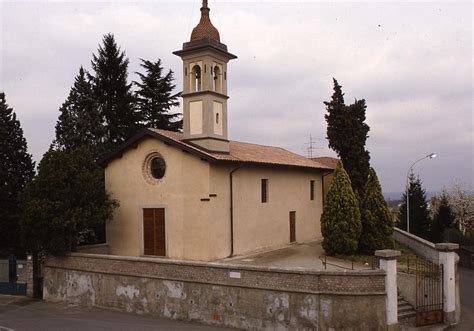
{"points": [[412, 62]]}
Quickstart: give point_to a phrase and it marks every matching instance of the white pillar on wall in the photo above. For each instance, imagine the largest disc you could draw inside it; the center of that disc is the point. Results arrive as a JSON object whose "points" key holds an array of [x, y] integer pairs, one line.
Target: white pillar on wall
{"points": [[447, 258], [388, 262]]}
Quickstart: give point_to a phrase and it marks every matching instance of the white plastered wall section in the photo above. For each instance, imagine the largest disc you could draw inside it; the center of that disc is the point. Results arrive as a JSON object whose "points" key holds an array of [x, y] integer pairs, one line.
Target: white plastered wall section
{"points": [[260, 225], [186, 181], [217, 117], [195, 117], [200, 230], [220, 211]]}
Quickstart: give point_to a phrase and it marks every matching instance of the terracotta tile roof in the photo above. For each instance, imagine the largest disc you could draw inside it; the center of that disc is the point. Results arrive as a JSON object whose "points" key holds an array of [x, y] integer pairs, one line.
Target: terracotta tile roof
{"points": [[241, 152], [330, 162]]}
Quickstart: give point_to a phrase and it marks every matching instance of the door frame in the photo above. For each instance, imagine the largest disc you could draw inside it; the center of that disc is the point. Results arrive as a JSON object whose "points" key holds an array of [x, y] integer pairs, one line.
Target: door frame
{"points": [[142, 232]]}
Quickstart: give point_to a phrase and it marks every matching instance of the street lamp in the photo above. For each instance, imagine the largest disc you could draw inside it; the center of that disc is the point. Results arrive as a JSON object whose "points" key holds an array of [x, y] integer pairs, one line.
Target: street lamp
{"points": [[429, 156]]}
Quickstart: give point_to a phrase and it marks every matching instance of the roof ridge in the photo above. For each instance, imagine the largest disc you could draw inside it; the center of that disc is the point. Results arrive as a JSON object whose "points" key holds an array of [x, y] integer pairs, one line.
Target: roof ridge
{"points": [[157, 131], [236, 141], [246, 153]]}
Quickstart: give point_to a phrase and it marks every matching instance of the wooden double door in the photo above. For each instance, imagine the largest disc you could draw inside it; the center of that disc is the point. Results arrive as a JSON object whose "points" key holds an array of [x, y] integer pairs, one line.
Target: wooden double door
{"points": [[154, 233]]}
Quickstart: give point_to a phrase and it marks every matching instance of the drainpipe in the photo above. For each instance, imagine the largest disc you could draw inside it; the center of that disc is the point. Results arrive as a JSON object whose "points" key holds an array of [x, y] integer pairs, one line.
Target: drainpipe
{"points": [[232, 211], [322, 184]]}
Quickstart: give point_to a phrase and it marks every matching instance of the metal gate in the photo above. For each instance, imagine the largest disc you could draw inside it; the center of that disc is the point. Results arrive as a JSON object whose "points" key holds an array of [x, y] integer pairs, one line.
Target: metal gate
{"points": [[429, 292], [12, 286]]}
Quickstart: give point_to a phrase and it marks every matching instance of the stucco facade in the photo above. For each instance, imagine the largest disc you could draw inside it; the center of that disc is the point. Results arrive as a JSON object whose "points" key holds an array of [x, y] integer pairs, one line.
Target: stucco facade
{"points": [[196, 196]]}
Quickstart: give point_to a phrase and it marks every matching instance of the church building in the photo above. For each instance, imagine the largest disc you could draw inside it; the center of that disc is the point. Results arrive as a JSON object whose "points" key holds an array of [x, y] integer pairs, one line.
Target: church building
{"points": [[197, 195]]}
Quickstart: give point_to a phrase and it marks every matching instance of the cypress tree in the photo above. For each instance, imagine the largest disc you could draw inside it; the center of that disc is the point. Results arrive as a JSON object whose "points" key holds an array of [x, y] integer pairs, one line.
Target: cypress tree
{"points": [[377, 222], [154, 97], [347, 134], [357, 157], [340, 222], [442, 220], [16, 170], [336, 119], [113, 92], [419, 215], [80, 123]]}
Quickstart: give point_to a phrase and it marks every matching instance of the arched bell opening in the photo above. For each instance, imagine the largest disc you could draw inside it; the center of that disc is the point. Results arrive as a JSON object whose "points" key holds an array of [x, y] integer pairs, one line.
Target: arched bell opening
{"points": [[217, 81], [196, 80]]}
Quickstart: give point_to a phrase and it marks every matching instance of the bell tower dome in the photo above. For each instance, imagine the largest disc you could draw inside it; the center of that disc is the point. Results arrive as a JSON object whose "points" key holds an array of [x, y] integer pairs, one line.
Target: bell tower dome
{"points": [[204, 94]]}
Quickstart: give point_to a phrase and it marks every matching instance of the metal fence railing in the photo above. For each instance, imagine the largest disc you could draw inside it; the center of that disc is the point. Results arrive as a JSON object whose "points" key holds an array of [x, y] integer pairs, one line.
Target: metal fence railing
{"points": [[349, 264]]}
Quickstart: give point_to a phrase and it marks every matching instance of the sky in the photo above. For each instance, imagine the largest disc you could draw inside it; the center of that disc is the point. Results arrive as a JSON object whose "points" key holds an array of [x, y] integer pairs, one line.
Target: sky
{"points": [[411, 61]]}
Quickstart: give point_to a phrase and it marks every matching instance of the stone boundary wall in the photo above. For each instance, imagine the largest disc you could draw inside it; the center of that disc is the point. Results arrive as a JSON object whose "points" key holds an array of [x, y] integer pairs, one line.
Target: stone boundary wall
{"points": [[226, 295], [421, 246], [442, 254], [94, 249]]}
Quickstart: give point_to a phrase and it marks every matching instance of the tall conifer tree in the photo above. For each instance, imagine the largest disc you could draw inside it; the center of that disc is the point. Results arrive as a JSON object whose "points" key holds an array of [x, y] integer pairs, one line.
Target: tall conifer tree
{"points": [[419, 215], [443, 219], [377, 222], [66, 204], [155, 98], [80, 123], [16, 170], [340, 222], [347, 134], [336, 120], [113, 92]]}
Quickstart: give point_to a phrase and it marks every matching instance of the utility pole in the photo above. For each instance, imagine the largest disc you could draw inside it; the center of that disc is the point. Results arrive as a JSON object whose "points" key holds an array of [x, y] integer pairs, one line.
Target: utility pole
{"points": [[311, 146]]}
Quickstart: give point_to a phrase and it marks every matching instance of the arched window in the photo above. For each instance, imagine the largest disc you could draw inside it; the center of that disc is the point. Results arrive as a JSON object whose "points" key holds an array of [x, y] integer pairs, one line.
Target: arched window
{"points": [[196, 79], [217, 81]]}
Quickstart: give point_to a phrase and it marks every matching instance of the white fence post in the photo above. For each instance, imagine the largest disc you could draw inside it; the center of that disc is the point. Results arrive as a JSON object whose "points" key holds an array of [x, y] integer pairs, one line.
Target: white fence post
{"points": [[447, 257], [388, 262]]}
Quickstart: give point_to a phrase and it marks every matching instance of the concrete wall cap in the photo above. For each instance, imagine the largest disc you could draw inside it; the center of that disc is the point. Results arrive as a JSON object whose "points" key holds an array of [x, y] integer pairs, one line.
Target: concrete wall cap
{"points": [[217, 265], [91, 246], [416, 238], [446, 247], [387, 254]]}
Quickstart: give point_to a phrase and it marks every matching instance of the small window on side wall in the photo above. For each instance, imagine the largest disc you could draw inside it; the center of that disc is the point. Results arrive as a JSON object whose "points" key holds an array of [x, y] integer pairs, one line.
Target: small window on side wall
{"points": [[264, 190], [311, 189]]}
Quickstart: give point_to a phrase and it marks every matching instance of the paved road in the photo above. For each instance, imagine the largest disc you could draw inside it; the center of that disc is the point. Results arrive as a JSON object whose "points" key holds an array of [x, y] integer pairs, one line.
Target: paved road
{"points": [[467, 300], [21, 314]]}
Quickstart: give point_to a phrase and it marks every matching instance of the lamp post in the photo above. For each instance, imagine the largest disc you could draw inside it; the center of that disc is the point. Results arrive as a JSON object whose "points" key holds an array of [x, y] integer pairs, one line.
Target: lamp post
{"points": [[429, 156]]}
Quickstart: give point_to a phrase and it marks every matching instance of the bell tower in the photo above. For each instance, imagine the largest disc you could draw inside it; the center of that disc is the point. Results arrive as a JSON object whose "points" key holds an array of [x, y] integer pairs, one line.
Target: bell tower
{"points": [[204, 94]]}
